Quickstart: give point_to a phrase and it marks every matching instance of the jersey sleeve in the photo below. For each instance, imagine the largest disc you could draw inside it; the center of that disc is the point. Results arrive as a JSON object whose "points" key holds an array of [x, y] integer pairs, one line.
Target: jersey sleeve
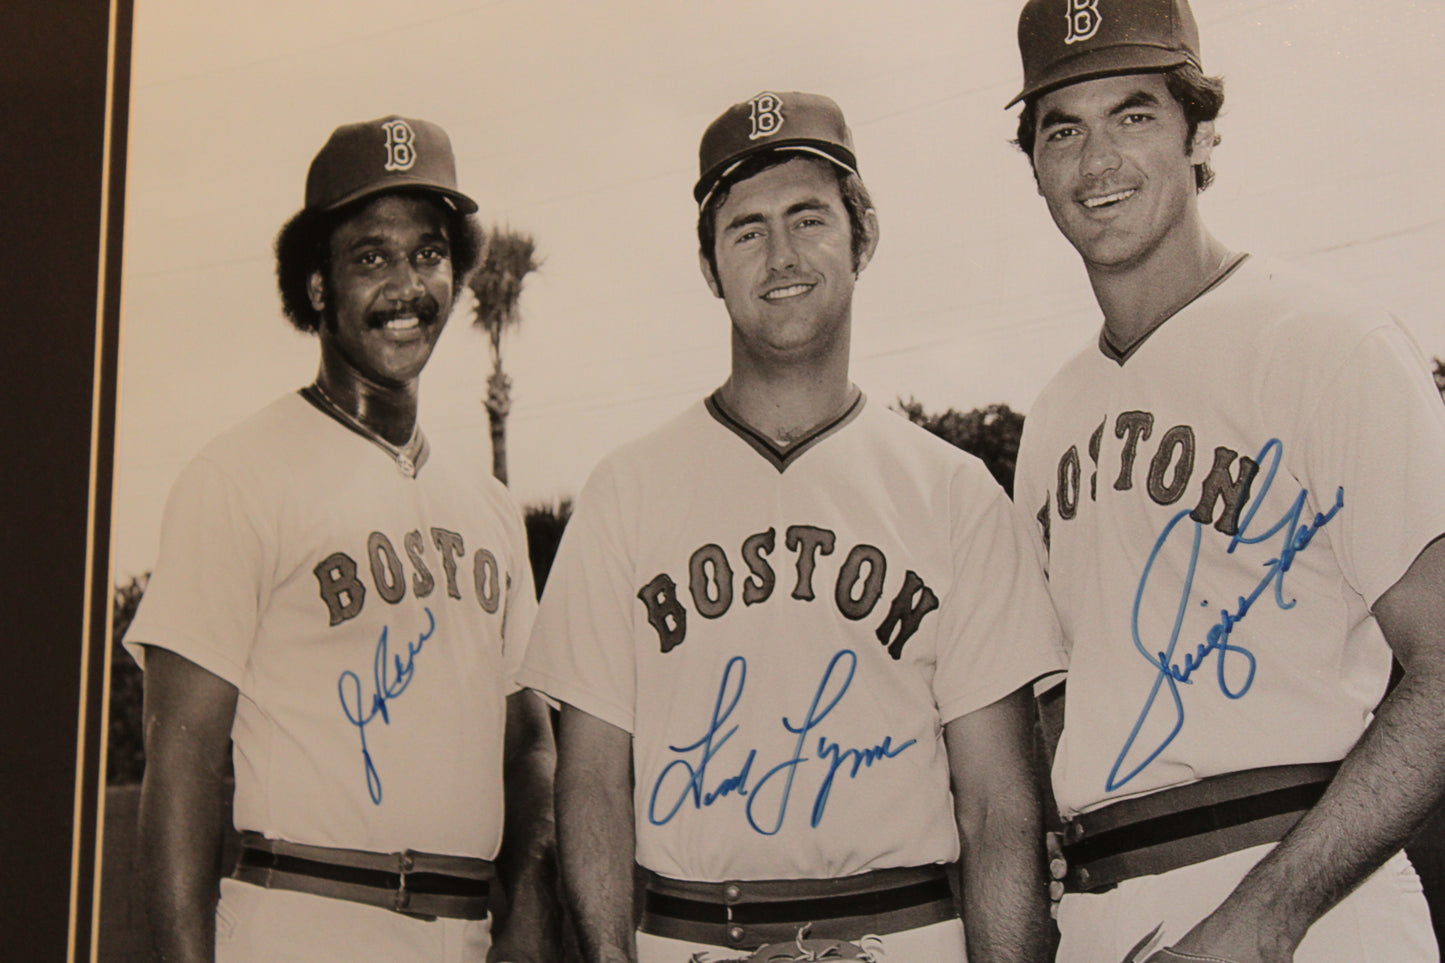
{"points": [[521, 611], [1377, 440], [203, 598], [1032, 515], [581, 651], [1030, 502], [1005, 634]]}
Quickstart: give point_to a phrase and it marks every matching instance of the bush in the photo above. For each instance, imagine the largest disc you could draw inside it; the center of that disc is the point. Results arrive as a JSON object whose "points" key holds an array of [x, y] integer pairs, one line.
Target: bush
{"points": [[990, 433], [125, 746]]}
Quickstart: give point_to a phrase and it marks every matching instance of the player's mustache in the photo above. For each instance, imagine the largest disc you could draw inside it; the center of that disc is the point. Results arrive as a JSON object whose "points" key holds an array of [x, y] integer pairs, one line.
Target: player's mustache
{"points": [[425, 309]]}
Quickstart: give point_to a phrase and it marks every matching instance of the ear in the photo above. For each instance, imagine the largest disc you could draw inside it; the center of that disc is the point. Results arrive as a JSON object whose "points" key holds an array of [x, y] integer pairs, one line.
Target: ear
{"points": [[870, 227], [316, 291], [1202, 146], [707, 275]]}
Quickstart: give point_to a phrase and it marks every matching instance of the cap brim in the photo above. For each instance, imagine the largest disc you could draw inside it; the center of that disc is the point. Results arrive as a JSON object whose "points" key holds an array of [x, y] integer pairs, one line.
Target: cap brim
{"points": [[829, 152], [1104, 62], [457, 199]]}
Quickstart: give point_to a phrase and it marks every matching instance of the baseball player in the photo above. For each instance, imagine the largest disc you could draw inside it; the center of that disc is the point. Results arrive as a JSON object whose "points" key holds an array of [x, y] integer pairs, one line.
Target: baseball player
{"points": [[791, 633], [1237, 494], [347, 606]]}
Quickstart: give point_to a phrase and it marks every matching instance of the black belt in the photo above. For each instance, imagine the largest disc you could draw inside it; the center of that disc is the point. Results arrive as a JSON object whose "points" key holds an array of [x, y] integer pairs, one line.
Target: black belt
{"points": [[1189, 824], [749, 914], [425, 885]]}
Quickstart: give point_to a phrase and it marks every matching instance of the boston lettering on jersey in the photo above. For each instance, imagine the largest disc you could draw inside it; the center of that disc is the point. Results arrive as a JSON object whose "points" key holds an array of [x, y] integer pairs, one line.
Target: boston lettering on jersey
{"points": [[344, 593], [857, 587], [1171, 467]]}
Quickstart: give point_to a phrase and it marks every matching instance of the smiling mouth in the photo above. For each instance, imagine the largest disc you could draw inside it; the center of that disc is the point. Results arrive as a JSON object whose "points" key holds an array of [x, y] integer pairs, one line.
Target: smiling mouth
{"points": [[791, 291], [405, 318], [1106, 200]]}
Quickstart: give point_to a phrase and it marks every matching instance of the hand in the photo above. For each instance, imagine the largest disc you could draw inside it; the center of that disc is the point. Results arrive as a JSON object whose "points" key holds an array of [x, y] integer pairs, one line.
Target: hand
{"points": [[1058, 869], [1231, 934], [1169, 955]]}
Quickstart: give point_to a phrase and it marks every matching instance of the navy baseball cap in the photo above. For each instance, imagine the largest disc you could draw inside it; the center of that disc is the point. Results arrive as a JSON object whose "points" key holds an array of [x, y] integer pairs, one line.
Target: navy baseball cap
{"points": [[809, 123], [383, 155], [1066, 41]]}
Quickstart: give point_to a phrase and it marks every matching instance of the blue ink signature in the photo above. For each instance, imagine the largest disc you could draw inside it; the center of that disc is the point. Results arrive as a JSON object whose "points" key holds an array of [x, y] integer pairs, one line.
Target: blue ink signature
{"points": [[694, 772], [1296, 537], [392, 674]]}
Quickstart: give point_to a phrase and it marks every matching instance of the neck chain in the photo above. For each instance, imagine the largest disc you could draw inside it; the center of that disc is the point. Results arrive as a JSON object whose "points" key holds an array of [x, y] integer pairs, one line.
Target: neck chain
{"points": [[408, 456]]}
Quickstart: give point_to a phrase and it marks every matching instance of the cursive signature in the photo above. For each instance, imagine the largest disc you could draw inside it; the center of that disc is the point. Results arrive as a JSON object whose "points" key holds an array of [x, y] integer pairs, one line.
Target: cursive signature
{"points": [[391, 674], [686, 779], [1234, 661]]}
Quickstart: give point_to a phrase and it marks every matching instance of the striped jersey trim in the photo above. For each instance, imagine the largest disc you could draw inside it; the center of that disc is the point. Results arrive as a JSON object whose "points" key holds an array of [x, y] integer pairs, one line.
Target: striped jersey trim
{"points": [[780, 457], [1119, 355]]}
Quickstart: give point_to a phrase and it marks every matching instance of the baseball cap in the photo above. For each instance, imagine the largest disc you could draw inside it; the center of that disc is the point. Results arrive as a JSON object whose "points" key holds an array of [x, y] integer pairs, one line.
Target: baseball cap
{"points": [[382, 155], [810, 123], [1066, 41]]}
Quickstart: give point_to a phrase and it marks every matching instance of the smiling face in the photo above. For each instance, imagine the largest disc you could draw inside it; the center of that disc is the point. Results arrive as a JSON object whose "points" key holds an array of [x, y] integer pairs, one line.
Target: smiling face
{"points": [[387, 293], [785, 264], [1114, 163]]}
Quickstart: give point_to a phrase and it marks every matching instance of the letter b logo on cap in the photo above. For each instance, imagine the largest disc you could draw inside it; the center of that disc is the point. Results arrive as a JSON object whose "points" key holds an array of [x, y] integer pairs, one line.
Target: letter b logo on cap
{"points": [[1084, 20], [767, 115], [400, 154]]}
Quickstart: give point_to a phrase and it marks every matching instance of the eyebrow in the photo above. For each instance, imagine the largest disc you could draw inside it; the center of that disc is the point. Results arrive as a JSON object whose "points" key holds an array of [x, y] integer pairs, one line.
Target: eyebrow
{"points": [[1139, 98], [378, 240], [756, 217]]}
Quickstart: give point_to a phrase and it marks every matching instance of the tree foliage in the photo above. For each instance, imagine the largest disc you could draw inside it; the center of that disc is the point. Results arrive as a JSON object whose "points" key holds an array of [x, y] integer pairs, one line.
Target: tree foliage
{"points": [[497, 282], [991, 433], [497, 286], [125, 747], [545, 524]]}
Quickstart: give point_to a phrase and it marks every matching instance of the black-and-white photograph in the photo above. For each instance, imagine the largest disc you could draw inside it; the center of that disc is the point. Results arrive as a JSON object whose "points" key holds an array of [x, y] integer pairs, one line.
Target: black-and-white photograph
{"points": [[778, 481]]}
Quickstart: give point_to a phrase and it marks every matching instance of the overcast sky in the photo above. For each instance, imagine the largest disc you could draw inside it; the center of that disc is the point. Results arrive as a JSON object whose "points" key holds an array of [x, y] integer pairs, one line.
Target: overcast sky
{"points": [[579, 121]]}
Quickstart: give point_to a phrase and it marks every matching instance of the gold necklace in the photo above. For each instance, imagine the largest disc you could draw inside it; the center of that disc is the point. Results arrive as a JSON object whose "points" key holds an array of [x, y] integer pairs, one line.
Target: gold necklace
{"points": [[406, 456]]}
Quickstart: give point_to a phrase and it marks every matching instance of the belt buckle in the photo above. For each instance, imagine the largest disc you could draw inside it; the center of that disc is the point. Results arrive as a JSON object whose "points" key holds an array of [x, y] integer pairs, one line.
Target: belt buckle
{"points": [[405, 863]]}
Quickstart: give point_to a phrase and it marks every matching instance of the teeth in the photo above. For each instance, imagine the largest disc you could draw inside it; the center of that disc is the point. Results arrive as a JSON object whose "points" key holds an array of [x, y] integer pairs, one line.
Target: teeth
{"points": [[791, 291], [1114, 198], [402, 324]]}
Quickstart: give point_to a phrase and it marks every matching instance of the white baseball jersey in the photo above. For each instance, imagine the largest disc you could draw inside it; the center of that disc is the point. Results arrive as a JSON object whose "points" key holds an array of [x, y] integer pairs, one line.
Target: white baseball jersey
{"points": [[784, 634], [1219, 509], [372, 623]]}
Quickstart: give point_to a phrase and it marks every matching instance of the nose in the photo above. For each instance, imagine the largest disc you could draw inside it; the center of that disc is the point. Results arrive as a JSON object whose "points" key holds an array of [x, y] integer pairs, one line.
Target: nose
{"points": [[782, 251], [1100, 155], [404, 282]]}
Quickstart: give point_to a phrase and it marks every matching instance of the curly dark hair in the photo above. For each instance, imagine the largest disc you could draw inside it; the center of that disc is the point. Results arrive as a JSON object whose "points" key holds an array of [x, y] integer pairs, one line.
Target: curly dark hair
{"points": [[855, 199], [1200, 97], [303, 246]]}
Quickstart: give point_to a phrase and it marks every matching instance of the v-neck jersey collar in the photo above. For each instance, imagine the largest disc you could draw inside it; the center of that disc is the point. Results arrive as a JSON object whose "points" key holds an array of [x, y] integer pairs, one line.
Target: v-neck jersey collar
{"points": [[779, 456]]}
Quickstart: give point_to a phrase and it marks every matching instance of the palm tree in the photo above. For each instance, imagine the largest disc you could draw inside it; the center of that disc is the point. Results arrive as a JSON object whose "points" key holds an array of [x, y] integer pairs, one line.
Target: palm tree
{"points": [[497, 285]]}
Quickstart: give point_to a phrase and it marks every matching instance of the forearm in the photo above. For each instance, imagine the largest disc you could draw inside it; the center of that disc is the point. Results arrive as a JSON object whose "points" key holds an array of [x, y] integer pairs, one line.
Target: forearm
{"points": [[180, 837], [1384, 791], [527, 863], [596, 840], [188, 715], [1000, 825], [527, 867], [1005, 891]]}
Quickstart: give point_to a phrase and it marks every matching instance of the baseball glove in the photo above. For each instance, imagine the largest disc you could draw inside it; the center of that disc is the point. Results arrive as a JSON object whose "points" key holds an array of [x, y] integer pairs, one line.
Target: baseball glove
{"points": [[805, 950]]}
